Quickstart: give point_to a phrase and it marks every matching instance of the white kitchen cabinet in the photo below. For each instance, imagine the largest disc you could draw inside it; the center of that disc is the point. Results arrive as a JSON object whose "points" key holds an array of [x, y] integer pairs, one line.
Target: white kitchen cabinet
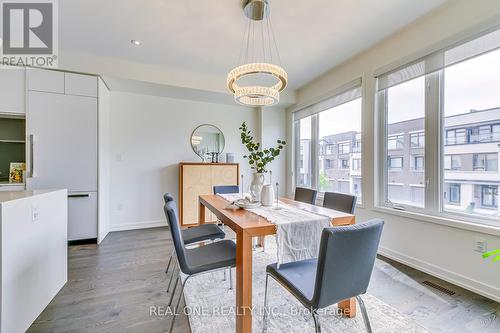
{"points": [[82, 215], [62, 133], [45, 80], [12, 90], [82, 85]]}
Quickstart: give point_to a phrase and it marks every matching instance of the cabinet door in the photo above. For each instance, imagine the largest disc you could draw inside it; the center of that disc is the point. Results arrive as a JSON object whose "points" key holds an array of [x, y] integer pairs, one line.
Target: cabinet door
{"points": [[64, 147], [82, 85], [12, 90], [224, 175], [45, 80], [195, 182], [82, 215]]}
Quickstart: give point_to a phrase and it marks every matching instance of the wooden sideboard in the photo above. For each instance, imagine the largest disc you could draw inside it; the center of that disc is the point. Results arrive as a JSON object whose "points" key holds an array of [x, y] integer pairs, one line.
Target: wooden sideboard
{"points": [[197, 179]]}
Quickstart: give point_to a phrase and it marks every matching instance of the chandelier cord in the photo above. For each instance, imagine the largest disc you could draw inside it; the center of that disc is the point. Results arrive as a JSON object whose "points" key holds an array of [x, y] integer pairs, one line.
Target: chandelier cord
{"points": [[274, 40]]}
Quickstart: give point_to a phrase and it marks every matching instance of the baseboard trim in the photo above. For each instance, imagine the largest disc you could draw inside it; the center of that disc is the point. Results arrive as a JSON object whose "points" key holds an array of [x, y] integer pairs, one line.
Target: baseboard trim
{"points": [[449, 276], [138, 225]]}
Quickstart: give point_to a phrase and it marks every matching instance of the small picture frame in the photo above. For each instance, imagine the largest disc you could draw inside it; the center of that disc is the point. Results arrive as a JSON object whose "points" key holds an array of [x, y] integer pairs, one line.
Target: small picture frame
{"points": [[16, 172]]}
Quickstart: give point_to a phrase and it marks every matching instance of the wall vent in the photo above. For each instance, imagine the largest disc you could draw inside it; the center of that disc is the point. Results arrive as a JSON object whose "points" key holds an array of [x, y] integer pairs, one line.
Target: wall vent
{"points": [[439, 288]]}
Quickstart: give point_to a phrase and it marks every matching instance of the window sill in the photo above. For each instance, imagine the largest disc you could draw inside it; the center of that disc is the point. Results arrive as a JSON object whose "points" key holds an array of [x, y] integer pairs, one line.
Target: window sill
{"points": [[446, 221]]}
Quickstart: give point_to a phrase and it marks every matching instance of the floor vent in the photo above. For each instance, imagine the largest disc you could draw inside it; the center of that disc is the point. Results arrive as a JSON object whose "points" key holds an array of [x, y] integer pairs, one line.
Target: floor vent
{"points": [[439, 288]]}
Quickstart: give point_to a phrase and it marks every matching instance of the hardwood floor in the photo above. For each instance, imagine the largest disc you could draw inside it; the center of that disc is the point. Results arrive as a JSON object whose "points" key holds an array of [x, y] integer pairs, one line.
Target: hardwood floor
{"points": [[112, 287]]}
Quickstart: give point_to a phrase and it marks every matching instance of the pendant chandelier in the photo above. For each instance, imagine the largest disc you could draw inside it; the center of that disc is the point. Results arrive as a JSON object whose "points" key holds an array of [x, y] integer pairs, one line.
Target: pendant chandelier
{"points": [[258, 81]]}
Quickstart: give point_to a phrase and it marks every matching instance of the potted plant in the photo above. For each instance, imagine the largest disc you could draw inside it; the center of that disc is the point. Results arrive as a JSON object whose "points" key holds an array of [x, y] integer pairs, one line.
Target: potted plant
{"points": [[258, 159]]}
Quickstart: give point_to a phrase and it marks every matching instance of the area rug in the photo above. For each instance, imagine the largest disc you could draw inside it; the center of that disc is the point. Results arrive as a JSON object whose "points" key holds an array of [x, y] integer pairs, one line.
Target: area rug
{"points": [[211, 306]]}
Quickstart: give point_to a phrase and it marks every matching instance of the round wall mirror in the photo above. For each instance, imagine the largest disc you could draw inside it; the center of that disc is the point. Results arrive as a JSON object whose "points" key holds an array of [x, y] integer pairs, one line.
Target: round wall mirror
{"points": [[207, 142]]}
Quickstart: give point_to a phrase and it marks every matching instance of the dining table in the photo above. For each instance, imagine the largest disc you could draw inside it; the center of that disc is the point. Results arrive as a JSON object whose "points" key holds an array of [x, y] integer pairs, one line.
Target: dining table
{"points": [[248, 225]]}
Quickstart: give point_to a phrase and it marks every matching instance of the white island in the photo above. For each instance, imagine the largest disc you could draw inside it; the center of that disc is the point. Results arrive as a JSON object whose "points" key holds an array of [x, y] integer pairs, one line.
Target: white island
{"points": [[34, 250]]}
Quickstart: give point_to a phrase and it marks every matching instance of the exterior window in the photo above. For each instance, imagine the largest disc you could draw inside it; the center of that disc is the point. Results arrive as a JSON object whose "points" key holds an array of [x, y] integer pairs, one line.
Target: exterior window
{"points": [[329, 149], [485, 162], [343, 164], [454, 193], [418, 163], [495, 132], [395, 142], [456, 136], [356, 164], [417, 140], [489, 196], [395, 163], [452, 162], [344, 148], [304, 174], [329, 164]]}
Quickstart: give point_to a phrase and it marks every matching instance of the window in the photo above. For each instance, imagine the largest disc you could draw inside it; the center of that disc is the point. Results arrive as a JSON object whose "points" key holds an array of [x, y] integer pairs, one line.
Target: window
{"points": [[418, 163], [395, 163], [304, 140], [489, 196], [344, 148], [395, 142], [356, 164], [336, 131], [485, 162], [343, 164], [452, 162], [417, 140], [450, 97]]}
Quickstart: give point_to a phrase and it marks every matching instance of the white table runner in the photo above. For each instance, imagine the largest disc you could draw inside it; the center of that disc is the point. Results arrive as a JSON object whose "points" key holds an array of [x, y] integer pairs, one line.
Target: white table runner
{"points": [[298, 232]]}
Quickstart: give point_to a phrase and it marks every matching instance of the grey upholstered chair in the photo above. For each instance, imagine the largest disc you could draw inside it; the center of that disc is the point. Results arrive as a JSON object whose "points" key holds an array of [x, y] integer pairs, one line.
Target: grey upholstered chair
{"points": [[340, 201], [342, 270], [208, 258], [226, 189], [193, 235], [305, 195]]}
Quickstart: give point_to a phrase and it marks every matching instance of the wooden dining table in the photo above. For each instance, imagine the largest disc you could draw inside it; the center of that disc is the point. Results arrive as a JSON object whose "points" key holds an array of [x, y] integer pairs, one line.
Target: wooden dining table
{"points": [[248, 225]]}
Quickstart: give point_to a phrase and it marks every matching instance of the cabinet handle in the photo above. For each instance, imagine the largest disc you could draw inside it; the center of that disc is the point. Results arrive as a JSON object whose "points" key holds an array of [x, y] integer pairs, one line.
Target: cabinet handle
{"points": [[31, 150], [78, 195]]}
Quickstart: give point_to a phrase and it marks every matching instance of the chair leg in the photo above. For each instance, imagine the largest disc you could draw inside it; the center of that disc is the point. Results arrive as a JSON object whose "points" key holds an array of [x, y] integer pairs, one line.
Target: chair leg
{"points": [[224, 275], [177, 305], [171, 278], [230, 278], [365, 314], [173, 291], [264, 319], [317, 326], [169, 262]]}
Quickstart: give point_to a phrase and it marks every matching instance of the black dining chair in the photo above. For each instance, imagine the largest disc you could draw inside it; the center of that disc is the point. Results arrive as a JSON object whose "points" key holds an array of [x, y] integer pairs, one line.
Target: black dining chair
{"points": [[212, 257], [340, 201], [342, 270], [226, 189], [305, 195], [193, 235]]}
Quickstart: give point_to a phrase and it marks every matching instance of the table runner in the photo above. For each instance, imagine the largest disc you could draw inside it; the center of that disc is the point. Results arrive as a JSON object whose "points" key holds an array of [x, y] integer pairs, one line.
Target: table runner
{"points": [[298, 232]]}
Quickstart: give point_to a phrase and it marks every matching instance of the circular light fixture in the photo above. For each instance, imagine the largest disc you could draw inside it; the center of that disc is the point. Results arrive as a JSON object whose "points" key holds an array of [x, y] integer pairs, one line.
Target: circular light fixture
{"points": [[253, 94], [136, 42]]}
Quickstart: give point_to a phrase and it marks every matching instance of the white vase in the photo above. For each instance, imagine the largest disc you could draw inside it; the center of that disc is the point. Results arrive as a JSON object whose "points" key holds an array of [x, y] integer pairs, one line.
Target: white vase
{"points": [[256, 185], [267, 195]]}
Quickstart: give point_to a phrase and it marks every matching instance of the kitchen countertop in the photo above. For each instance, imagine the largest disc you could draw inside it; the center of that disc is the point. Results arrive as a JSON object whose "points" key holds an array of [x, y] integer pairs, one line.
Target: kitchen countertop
{"points": [[15, 195]]}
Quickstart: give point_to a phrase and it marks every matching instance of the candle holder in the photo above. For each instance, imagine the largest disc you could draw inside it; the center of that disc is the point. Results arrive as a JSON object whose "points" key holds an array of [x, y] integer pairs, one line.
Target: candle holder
{"points": [[277, 207]]}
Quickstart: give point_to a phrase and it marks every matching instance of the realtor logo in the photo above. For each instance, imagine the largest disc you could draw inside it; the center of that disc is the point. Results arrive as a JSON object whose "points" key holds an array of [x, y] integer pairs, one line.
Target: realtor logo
{"points": [[29, 33]]}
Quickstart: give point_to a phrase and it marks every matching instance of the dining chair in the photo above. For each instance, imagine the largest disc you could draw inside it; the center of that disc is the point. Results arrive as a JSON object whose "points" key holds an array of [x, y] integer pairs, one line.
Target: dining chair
{"points": [[193, 235], [340, 201], [211, 257], [341, 271], [305, 195], [226, 189]]}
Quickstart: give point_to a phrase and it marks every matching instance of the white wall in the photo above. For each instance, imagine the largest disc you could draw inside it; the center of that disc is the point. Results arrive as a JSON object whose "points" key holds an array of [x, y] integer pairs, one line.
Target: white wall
{"points": [[104, 151], [273, 128], [441, 250], [150, 135]]}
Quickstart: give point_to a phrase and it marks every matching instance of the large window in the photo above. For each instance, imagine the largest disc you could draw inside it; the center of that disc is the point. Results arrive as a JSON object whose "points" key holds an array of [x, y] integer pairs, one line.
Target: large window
{"points": [[336, 132], [442, 112], [304, 167]]}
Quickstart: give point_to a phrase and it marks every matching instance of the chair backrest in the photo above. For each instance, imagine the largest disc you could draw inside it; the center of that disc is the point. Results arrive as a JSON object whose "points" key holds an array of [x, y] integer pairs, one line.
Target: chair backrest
{"points": [[345, 262], [226, 189], [170, 209], [340, 201], [305, 195]]}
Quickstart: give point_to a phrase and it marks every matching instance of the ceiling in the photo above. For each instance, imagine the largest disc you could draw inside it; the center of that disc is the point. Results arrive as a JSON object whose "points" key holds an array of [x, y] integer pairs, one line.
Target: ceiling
{"points": [[202, 38]]}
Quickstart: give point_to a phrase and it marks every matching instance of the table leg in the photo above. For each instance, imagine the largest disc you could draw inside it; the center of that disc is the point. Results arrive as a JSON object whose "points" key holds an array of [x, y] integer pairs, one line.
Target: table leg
{"points": [[201, 214], [243, 282], [348, 307]]}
